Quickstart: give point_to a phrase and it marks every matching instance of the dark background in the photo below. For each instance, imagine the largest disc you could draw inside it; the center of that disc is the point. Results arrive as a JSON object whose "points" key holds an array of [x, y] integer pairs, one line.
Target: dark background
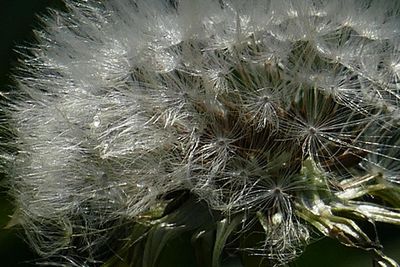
{"points": [[17, 19]]}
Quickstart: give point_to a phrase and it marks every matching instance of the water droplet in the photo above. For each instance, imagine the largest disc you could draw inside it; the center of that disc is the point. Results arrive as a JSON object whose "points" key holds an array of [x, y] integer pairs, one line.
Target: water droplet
{"points": [[96, 121], [277, 218]]}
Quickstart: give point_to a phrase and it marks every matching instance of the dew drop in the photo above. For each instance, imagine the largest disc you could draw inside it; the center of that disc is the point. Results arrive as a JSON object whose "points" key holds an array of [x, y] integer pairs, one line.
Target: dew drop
{"points": [[277, 218], [96, 121]]}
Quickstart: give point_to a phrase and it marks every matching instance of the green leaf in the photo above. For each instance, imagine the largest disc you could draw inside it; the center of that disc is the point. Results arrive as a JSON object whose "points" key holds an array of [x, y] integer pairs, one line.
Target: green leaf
{"points": [[130, 255], [203, 243], [225, 228], [190, 216]]}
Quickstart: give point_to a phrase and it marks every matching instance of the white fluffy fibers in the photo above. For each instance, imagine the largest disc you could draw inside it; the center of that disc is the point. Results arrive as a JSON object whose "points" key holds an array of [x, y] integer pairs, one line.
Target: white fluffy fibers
{"points": [[122, 102]]}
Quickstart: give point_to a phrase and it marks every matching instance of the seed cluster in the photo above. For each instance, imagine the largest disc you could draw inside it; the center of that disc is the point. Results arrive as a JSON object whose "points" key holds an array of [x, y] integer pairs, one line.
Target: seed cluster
{"points": [[261, 109]]}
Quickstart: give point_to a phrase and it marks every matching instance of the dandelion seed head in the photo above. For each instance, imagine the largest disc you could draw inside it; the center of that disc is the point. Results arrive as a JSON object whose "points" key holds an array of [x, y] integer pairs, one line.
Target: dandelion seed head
{"points": [[265, 109]]}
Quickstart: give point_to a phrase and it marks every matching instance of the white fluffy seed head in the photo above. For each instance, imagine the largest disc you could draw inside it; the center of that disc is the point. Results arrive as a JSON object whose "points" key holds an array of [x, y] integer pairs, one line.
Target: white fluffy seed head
{"points": [[121, 102]]}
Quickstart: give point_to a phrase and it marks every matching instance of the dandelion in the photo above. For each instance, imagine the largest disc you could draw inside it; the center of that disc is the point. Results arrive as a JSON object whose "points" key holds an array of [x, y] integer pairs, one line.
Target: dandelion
{"points": [[249, 126]]}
